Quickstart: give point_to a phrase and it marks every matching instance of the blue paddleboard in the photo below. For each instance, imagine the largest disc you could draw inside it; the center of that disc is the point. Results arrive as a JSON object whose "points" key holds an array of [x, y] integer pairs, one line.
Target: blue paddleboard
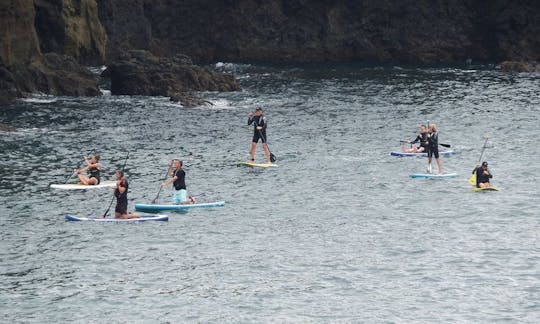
{"points": [[149, 207], [403, 154], [143, 218], [432, 175]]}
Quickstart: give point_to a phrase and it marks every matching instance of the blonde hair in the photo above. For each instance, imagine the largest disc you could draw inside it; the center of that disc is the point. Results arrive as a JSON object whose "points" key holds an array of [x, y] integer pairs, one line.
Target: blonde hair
{"points": [[433, 127]]}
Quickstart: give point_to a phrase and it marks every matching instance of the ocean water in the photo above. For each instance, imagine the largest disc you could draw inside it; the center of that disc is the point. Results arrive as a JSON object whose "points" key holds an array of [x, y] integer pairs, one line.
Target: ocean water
{"points": [[338, 233]]}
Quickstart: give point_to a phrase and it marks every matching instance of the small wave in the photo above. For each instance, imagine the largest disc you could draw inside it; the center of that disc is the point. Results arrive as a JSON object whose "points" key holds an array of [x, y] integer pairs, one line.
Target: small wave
{"points": [[97, 69], [39, 100], [231, 67], [105, 92]]}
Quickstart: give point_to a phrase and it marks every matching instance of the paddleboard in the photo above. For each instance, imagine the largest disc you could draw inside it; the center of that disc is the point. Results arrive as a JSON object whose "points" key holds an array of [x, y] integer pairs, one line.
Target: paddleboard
{"points": [[149, 207], [143, 218], [257, 165], [475, 189], [403, 154], [75, 186], [432, 175]]}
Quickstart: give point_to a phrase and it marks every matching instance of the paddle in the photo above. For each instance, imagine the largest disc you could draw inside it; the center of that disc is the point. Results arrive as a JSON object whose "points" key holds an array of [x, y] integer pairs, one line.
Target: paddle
{"points": [[78, 167], [161, 185], [272, 156], [445, 145], [112, 200], [472, 179]]}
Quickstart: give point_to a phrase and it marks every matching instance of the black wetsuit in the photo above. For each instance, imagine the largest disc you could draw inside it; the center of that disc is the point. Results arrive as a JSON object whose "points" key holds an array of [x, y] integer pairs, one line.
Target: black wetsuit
{"points": [[94, 173], [180, 182], [258, 134], [481, 177], [423, 140], [121, 198], [433, 145]]}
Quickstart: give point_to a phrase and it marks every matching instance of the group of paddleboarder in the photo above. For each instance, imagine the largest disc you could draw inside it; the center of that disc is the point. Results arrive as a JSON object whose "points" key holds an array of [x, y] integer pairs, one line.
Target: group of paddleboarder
{"points": [[428, 142], [90, 174], [176, 174]]}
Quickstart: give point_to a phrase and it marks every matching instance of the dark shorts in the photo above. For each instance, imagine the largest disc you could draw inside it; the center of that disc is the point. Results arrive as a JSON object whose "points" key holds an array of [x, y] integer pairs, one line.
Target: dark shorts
{"points": [[257, 136], [433, 151], [121, 208]]}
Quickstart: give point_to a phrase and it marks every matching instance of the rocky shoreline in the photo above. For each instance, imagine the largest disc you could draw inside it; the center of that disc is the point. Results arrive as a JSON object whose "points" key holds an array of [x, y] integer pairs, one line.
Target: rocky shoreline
{"points": [[45, 45]]}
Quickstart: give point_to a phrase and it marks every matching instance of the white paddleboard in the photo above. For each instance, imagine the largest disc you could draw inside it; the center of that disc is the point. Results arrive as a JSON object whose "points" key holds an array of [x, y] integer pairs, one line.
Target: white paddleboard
{"points": [[75, 186]]}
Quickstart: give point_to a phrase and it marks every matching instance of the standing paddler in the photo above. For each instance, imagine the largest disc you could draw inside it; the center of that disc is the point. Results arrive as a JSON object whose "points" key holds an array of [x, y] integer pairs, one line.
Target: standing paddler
{"points": [[259, 133]]}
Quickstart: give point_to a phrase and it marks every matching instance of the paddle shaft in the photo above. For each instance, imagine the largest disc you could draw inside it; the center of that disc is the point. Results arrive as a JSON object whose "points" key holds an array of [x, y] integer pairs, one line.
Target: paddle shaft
{"points": [[78, 166], [483, 149], [161, 185], [112, 199]]}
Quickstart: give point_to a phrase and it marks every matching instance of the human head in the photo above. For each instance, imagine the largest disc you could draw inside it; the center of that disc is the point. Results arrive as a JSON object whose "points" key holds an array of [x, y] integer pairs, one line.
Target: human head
{"points": [[433, 128], [177, 163], [258, 111], [119, 174], [422, 128], [96, 158], [484, 165]]}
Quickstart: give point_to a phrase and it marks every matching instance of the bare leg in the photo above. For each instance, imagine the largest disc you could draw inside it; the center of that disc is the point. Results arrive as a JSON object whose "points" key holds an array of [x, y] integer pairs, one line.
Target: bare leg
{"points": [[439, 165], [87, 181], [252, 151], [429, 165], [266, 152]]}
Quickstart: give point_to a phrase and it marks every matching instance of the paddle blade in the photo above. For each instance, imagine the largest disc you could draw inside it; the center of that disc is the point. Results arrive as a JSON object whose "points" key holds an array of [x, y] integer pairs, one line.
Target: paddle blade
{"points": [[445, 145], [472, 179], [272, 158]]}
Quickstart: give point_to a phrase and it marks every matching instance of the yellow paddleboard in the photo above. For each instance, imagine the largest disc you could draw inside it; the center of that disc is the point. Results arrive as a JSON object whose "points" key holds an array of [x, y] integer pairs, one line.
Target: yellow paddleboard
{"points": [[257, 165], [474, 189]]}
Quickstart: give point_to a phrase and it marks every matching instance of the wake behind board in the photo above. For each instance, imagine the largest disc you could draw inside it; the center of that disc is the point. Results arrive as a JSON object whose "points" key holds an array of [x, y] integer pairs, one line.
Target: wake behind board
{"points": [[432, 176], [256, 165], [475, 189], [143, 218], [403, 154], [150, 208], [76, 186]]}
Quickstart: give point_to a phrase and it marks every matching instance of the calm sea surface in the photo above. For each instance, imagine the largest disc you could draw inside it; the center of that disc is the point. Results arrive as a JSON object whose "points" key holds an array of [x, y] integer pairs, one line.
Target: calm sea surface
{"points": [[337, 233]]}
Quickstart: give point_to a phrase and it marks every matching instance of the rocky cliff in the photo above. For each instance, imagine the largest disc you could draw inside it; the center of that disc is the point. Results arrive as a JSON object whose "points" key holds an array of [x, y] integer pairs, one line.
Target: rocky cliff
{"points": [[23, 67], [382, 31], [379, 31]]}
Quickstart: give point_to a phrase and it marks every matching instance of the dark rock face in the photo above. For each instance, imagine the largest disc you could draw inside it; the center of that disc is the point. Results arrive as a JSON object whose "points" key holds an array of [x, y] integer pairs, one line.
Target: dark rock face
{"points": [[310, 31], [56, 75], [511, 66], [71, 28], [24, 69], [139, 72]]}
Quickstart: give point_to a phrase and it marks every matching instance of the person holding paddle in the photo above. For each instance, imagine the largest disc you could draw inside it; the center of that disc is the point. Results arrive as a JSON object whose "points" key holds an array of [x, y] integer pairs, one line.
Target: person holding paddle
{"points": [[92, 167], [482, 175], [422, 139], [120, 192], [433, 147], [259, 132], [178, 179]]}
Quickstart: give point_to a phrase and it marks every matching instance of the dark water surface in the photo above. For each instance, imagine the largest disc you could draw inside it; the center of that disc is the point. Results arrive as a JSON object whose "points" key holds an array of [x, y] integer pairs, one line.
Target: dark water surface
{"points": [[337, 233]]}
